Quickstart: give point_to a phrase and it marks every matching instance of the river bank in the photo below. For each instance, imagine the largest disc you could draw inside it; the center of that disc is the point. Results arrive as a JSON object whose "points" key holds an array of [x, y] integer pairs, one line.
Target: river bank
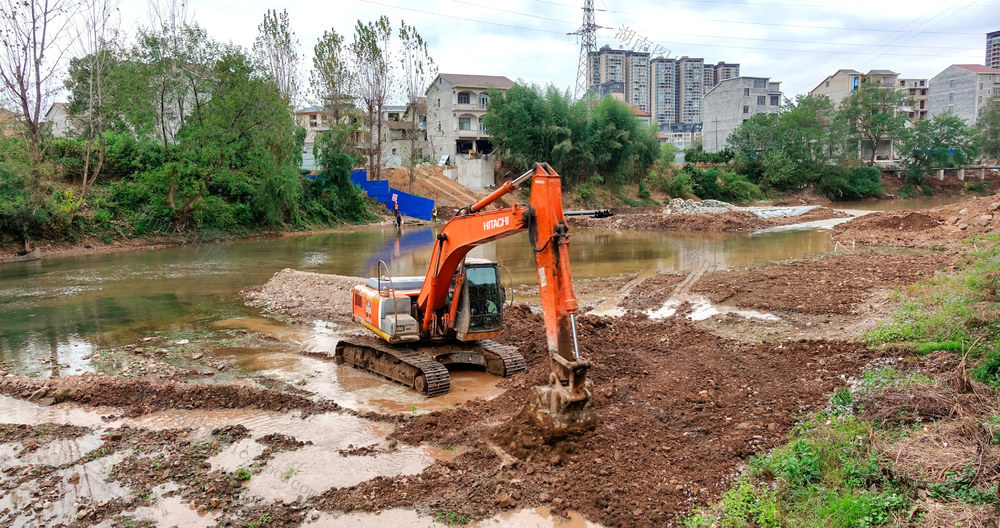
{"points": [[697, 370]]}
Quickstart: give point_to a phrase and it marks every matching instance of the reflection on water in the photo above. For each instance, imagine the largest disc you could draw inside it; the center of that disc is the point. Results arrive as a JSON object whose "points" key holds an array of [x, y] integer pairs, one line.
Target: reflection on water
{"points": [[56, 312]]}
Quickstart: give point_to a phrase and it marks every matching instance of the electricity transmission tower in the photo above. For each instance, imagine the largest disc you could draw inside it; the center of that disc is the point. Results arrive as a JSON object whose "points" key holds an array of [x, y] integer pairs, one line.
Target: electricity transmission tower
{"points": [[588, 43]]}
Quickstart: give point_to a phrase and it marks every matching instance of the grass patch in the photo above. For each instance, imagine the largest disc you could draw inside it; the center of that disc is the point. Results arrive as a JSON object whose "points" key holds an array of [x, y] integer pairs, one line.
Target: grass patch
{"points": [[953, 312], [829, 474]]}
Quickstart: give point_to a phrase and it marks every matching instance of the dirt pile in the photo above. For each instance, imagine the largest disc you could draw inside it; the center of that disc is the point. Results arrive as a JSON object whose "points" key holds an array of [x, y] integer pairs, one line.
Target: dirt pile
{"points": [[430, 182], [305, 295], [138, 397], [938, 226], [678, 409], [833, 284], [730, 221]]}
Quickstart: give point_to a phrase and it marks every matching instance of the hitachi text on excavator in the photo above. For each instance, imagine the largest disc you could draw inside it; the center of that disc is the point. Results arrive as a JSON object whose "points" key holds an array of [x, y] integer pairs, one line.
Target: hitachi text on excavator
{"points": [[451, 315]]}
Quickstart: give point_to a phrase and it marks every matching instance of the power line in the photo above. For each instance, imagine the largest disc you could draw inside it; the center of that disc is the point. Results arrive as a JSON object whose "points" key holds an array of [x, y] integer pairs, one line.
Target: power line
{"points": [[524, 28], [672, 43], [514, 12]]}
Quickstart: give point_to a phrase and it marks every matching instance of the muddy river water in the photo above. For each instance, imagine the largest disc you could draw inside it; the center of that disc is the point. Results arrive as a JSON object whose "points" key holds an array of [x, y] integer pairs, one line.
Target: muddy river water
{"points": [[55, 314], [70, 307]]}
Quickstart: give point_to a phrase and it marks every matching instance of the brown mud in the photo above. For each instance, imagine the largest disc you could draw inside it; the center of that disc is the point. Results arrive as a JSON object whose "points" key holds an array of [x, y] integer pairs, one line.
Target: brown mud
{"points": [[679, 409], [136, 397], [939, 226], [729, 221]]}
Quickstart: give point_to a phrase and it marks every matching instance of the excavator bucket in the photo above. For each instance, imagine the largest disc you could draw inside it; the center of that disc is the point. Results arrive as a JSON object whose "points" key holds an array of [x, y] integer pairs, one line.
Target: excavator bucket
{"points": [[560, 410]]}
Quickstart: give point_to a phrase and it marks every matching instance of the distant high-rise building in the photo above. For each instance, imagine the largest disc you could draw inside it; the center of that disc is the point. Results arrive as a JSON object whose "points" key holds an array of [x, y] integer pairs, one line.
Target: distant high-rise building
{"points": [[637, 80], [663, 90], [669, 89], [993, 49], [691, 88], [725, 70], [631, 68], [676, 89]]}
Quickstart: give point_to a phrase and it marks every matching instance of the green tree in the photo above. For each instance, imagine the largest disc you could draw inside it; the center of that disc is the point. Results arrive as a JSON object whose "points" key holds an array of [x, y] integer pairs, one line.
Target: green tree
{"points": [[988, 129], [374, 64], [606, 142], [942, 141], [874, 114], [332, 80], [418, 70], [88, 105], [277, 50]]}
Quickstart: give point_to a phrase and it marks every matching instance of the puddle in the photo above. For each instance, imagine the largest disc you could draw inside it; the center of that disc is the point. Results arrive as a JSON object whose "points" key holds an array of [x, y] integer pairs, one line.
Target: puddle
{"points": [[64, 450], [525, 518], [24, 412], [172, 511], [92, 486], [350, 387], [702, 308], [314, 469], [240, 454]]}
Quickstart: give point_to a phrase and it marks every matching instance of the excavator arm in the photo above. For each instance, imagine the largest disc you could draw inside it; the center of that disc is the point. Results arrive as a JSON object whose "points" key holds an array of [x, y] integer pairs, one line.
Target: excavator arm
{"points": [[564, 405]]}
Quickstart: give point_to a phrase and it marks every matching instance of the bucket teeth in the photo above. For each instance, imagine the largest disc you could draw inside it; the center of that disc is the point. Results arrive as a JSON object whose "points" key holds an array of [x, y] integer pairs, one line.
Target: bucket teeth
{"points": [[558, 413]]}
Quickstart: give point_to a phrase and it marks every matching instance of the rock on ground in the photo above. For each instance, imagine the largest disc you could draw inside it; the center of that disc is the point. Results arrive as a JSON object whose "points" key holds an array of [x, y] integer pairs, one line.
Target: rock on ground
{"points": [[305, 295]]}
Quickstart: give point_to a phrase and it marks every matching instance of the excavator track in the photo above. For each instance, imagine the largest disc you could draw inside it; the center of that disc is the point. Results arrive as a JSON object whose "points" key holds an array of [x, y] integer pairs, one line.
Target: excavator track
{"points": [[399, 364], [423, 368], [510, 357]]}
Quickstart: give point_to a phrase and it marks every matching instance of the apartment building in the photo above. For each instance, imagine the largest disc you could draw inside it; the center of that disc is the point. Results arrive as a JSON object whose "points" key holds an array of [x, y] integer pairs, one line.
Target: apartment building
{"points": [[843, 83], [456, 105], [637, 80], [715, 73], [993, 49], [915, 89], [663, 90], [608, 67], [691, 86], [963, 90], [733, 101]]}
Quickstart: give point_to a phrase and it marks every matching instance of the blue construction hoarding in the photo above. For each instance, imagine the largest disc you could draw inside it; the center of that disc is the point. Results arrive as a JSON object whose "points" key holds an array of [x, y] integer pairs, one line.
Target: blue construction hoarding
{"points": [[409, 204]]}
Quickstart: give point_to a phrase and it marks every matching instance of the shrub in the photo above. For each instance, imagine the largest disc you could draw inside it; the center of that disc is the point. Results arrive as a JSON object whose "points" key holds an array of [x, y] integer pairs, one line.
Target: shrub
{"points": [[779, 172], [737, 189], [840, 183], [704, 183]]}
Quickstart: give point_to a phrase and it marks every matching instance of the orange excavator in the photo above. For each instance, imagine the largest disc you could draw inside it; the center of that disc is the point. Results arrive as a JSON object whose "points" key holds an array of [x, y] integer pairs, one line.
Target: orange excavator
{"points": [[451, 315]]}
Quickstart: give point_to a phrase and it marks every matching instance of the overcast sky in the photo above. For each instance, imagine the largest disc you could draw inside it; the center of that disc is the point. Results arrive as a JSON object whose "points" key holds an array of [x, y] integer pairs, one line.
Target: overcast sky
{"points": [[798, 43]]}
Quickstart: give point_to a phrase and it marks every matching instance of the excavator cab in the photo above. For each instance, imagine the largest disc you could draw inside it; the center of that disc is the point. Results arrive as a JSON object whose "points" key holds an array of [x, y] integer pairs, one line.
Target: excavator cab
{"points": [[479, 314]]}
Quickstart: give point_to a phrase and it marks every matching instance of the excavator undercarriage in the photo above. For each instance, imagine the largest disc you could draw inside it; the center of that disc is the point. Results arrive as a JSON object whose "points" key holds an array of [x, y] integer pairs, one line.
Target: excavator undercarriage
{"points": [[424, 368]]}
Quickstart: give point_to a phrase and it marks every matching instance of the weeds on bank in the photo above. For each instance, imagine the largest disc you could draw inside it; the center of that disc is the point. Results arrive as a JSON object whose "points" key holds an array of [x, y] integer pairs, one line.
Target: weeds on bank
{"points": [[452, 518], [829, 474], [952, 312], [833, 472]]}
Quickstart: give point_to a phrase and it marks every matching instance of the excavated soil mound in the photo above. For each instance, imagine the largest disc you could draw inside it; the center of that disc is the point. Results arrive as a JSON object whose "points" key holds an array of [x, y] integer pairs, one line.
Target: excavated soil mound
{"points": [[305, 295], [730, 221], [938, 226], [834, 284], [679, 409], [140, 397]]}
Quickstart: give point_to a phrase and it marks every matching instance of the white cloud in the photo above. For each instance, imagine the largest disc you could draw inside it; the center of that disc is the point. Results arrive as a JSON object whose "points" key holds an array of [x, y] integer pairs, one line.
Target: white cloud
{"points": [[535, 48]]}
